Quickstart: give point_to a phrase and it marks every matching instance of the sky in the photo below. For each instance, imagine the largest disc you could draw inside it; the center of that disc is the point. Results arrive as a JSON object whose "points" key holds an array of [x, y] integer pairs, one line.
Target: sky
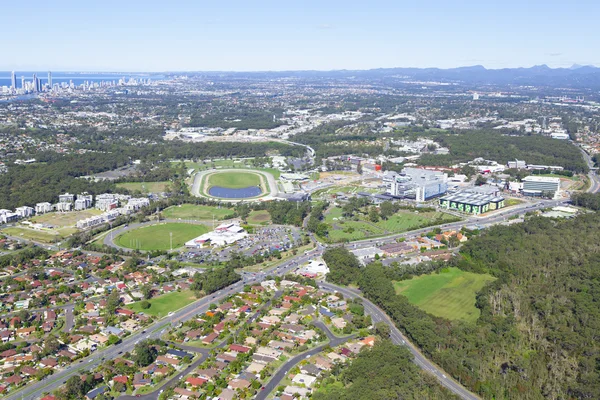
{"points": [[232, 35]]}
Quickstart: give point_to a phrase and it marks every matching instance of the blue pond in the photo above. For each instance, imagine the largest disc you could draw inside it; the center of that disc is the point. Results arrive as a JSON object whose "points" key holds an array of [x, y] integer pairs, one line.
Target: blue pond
{"points": [[228, 193]]}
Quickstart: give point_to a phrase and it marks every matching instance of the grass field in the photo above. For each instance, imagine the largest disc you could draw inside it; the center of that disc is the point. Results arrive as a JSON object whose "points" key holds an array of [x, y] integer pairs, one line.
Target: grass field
{"points": [[449, 294], [144, 187], [346, 229], [260, 217], [157, 237], [39, 236], [64, 219], [197, 212], [162, 305], [512, 202], [234, 180]]}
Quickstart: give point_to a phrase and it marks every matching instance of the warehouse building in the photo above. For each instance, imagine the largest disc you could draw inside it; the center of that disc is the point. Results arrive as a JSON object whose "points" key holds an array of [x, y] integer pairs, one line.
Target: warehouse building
{"points": [[472, 202]]}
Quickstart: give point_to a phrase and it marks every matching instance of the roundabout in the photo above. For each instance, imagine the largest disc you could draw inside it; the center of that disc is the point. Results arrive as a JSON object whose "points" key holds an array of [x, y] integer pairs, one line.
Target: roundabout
{"points": [[233, 185]]}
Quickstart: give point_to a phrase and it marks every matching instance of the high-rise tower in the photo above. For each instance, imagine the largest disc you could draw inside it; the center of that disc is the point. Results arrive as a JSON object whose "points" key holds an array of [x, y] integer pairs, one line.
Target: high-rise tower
{"points": [[50, 80], [13, 80]]}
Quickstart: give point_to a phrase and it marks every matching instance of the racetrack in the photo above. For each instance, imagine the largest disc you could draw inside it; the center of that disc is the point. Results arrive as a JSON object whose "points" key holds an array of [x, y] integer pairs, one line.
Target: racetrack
{"points": [[200, 191]]}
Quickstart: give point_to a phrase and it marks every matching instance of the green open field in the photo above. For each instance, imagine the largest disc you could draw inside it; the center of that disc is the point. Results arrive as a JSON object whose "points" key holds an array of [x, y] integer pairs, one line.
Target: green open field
{"points": [[197, 212], [449, 294], [157, 237], [64, 219], [162, 305], [260, 217], [342, 229], [512, 202], [234, 180], [144, 187], [49, 236]]}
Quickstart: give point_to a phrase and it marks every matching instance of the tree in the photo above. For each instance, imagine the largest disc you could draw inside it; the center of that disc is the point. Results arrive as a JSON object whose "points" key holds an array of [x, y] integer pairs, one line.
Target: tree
{"points": [[382, 330], [113, 339], [481, 180], [145, 354], [386, 209], [144, 304], [51, 344], [373, 215], [146, 291], [113, 301]]}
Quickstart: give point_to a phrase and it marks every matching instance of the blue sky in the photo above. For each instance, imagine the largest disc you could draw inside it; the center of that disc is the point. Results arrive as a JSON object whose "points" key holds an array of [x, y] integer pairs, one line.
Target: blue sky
{"points": [[231, 35]]}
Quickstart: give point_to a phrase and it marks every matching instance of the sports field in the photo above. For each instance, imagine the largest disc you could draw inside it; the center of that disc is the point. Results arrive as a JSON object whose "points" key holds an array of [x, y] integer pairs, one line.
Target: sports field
{"points": [[234, 180], [157, 237], [144, 187], [197, 212], [162, 305], [260, 217], [449, 294]]}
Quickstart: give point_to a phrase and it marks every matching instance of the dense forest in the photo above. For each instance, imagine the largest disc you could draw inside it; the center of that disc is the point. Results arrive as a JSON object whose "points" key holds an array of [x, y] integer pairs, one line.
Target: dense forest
{"points": [[537, 336], [385, 372], [492, 145], [587, 200]]}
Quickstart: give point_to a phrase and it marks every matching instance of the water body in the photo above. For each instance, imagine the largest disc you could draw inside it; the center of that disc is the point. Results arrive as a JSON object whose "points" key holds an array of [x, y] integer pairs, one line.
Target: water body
{"points": [[228, 193]]}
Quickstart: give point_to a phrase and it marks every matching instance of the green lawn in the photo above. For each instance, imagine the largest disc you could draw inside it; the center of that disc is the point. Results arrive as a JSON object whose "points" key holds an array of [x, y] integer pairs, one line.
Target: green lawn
{"points": [[346, 229], [197, 212], [260, 217], [64, 219], [157, 237], [145, 187], [512, 202], [449, 294], [162, 305], [234, 180], [39, 236]]}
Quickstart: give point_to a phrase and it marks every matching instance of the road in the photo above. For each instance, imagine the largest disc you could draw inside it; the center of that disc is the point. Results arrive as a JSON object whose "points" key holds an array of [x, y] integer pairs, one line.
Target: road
{"points": [[291, 363], [593, 177], [34, 390], [377, 315]]}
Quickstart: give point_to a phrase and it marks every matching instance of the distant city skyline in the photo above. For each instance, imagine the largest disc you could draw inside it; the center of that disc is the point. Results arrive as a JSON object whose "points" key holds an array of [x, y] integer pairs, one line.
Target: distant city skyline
{"points": [[272, 36]]}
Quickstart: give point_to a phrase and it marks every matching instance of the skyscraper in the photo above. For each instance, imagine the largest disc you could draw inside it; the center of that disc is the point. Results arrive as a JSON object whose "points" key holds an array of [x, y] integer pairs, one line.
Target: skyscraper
{"points": [[50, 80], [37, 84], [13, 80]]}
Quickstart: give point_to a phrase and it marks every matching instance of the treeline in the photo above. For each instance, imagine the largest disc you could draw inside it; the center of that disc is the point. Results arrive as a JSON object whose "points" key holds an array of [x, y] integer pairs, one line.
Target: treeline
{"points": [[23, 256], [587, 200], [492, 145], [384, 372], [288, 212], [536, 337], [214, 280], [56, 173]]}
